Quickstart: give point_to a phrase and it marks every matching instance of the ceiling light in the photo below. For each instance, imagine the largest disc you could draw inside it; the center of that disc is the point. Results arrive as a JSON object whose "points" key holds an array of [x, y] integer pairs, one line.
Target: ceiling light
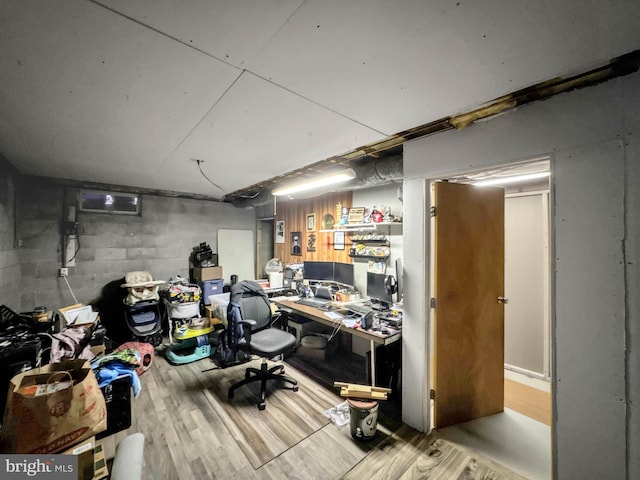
{"points": [[512, 179], [318, 182]]}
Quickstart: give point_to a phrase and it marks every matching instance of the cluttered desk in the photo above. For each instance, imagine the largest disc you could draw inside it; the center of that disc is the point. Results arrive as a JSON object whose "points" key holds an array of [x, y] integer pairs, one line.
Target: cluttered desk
{"points": [[375, 320], [329, 298]]}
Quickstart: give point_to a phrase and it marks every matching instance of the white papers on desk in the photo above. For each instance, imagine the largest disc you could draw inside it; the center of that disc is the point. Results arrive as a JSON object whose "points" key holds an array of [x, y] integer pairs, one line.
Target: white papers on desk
{"points": [[333, 315], [349, 322], [282, 298]]}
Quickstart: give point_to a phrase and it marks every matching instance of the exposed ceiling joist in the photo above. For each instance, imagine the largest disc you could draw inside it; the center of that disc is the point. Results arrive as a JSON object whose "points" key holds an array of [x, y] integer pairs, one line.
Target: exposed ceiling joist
{"points": [[619, 66]]}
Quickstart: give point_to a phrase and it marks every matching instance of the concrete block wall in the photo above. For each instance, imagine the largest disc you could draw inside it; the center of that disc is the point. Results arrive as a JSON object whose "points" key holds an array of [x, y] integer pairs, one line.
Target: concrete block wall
{"points": [[10, 272], [159, 241]]}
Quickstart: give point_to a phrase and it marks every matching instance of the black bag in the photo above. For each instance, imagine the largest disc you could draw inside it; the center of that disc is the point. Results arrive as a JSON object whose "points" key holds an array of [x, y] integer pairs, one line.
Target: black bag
{"points": [[21, 349]]}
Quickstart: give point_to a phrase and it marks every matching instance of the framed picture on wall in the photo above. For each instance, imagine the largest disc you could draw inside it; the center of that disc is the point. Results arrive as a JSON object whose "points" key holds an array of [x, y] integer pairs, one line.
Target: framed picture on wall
{"points": [[311, 222], [296, 243], [338, 240], [356, 215], [280, 231], [311, 242]]}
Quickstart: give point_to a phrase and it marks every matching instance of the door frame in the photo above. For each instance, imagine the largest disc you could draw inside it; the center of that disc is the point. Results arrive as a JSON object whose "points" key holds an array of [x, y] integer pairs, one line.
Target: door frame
{"points": [[261, 240], [429, 257]]}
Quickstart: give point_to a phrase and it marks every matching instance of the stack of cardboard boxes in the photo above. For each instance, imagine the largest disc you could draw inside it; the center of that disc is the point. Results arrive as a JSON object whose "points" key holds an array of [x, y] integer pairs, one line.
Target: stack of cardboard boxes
{"points": [[210, 280]]}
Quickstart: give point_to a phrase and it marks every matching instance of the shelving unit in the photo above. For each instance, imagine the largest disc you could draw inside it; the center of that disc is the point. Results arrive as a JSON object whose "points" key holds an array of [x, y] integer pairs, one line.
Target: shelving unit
{"points": [[369, 257], [383, 242], [373, 247], [380, 229], [364, 227]]}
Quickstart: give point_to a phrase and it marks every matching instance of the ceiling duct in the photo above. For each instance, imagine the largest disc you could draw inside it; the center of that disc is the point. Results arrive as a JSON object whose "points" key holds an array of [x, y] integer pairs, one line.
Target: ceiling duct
{"points": [[371, 172], [262, 197]]}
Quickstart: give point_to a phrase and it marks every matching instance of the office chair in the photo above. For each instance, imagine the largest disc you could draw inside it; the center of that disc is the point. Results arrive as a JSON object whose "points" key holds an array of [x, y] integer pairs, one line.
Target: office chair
{"points": [[249, 327]]}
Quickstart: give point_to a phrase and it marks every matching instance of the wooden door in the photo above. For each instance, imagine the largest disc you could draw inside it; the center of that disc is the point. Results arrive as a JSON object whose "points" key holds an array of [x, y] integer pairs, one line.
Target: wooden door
{"points": [[469, 317]]}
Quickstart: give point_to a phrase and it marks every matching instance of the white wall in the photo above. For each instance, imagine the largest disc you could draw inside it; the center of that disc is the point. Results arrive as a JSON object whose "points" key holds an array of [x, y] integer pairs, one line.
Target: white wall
{"points": [[591, 136], [525, 281], [416, 322]]}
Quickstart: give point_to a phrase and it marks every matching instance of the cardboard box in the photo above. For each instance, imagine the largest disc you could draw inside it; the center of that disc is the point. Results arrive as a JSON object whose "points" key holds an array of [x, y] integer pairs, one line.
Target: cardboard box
{"points": [[78, 315], [206, 273], [98, 350], [100, 468], [84, 451], [213, 320]]}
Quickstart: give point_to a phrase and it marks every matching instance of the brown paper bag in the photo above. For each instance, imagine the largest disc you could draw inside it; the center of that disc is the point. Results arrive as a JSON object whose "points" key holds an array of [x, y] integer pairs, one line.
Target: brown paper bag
{"points": [[52, 407]]}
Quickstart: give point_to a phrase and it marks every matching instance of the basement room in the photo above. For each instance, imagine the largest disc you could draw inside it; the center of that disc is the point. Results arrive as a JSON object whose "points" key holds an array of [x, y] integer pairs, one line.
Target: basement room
{"points": [[305, 239]]}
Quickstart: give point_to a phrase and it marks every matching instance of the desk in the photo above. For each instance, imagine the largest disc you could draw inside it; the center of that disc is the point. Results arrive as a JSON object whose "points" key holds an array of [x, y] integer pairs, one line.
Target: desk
{"points": [[375, 337]]}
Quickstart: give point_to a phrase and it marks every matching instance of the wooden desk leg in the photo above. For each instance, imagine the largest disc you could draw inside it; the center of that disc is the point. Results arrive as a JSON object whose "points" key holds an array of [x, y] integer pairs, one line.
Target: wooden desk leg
{"points": [[373, 363]]}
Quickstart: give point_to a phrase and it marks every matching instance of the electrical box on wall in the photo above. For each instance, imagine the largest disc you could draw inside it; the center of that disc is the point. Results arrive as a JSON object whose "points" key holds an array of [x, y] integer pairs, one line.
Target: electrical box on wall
{"points": [[70, 251]]}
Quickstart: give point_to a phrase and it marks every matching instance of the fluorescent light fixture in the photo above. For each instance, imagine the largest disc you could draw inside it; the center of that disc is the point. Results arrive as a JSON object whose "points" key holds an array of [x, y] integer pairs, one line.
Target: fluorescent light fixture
{"points": [[318, 182], [512, 179]]}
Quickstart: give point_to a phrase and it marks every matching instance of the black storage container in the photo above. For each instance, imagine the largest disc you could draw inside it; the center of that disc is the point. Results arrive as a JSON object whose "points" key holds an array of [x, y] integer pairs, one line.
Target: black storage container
{"points": [[117, 396], [19, 351]]}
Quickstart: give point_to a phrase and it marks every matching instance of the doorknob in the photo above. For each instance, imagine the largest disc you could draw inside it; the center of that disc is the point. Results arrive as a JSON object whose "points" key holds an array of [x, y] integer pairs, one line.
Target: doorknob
{"points": [[503, 300]]}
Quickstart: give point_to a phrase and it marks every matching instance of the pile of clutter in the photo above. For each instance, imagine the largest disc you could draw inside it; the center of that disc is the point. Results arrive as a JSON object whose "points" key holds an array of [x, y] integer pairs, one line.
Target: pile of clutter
{"points": [[179, 290], [203, 256], [130, 359]]}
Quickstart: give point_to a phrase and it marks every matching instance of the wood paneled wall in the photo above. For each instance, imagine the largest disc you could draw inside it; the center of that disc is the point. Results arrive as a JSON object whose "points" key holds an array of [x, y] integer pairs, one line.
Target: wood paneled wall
{"points": [[294, 213]]}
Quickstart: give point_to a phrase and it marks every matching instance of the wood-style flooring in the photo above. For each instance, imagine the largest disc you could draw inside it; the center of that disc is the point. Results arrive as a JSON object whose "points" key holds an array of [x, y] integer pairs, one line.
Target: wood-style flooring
{"points": [[192, 433], [529, 401]]}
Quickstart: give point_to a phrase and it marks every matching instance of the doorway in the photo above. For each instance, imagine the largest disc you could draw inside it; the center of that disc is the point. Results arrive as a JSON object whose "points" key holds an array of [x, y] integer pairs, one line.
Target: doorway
{"points": [[527, 342], [527, 263], [265, 240]]}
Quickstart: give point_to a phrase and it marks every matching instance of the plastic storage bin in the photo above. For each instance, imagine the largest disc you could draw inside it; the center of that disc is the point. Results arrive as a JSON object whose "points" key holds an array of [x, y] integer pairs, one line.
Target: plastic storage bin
{"points": [[210, 287]]}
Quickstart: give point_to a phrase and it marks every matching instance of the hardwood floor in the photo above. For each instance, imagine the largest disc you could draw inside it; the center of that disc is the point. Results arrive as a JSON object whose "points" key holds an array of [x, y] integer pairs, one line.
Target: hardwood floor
{"points": [[529, 401], [188, 435]]}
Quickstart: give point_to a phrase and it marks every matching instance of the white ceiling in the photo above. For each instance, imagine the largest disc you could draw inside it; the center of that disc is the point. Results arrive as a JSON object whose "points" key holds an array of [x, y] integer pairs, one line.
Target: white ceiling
{"points": [[130, 92]]}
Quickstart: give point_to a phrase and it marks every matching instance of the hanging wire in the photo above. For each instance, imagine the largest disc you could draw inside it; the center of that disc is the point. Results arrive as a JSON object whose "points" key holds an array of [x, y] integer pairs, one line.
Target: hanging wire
{"points": [[205, 176], [77, 229]]}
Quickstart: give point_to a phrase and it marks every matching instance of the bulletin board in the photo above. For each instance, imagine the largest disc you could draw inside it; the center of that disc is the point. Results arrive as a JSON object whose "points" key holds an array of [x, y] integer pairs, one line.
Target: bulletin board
{"points": [[236, 254]]}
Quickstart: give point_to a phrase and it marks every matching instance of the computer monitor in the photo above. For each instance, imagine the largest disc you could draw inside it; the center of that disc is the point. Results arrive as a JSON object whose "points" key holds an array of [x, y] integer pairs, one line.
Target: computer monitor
{"points": [[377, 292], [343, 273], [399, 279], [318, 270]]}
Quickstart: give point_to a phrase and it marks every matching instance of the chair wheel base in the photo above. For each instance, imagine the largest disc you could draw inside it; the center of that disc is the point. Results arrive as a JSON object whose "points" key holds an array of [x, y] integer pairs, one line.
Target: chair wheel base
{"points": [[263, 375]]}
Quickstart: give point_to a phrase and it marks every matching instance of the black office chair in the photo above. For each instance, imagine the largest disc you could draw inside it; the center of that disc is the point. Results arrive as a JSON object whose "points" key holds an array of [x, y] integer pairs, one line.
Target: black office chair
{"points": [[249, 327]]}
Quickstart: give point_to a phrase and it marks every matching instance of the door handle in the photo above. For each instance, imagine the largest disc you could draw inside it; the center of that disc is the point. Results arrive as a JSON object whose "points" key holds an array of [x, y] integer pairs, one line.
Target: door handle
{"points": [[503, 300]]}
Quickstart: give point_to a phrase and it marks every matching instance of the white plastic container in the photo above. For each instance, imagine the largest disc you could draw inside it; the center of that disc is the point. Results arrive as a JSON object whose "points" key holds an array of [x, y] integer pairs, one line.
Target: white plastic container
{"points": [[276, 279], [184, 310]]}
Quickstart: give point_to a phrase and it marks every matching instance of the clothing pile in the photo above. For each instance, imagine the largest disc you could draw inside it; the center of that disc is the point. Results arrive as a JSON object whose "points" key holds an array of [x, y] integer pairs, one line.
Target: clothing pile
{"points": [[71, 343], [117, 364]]}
